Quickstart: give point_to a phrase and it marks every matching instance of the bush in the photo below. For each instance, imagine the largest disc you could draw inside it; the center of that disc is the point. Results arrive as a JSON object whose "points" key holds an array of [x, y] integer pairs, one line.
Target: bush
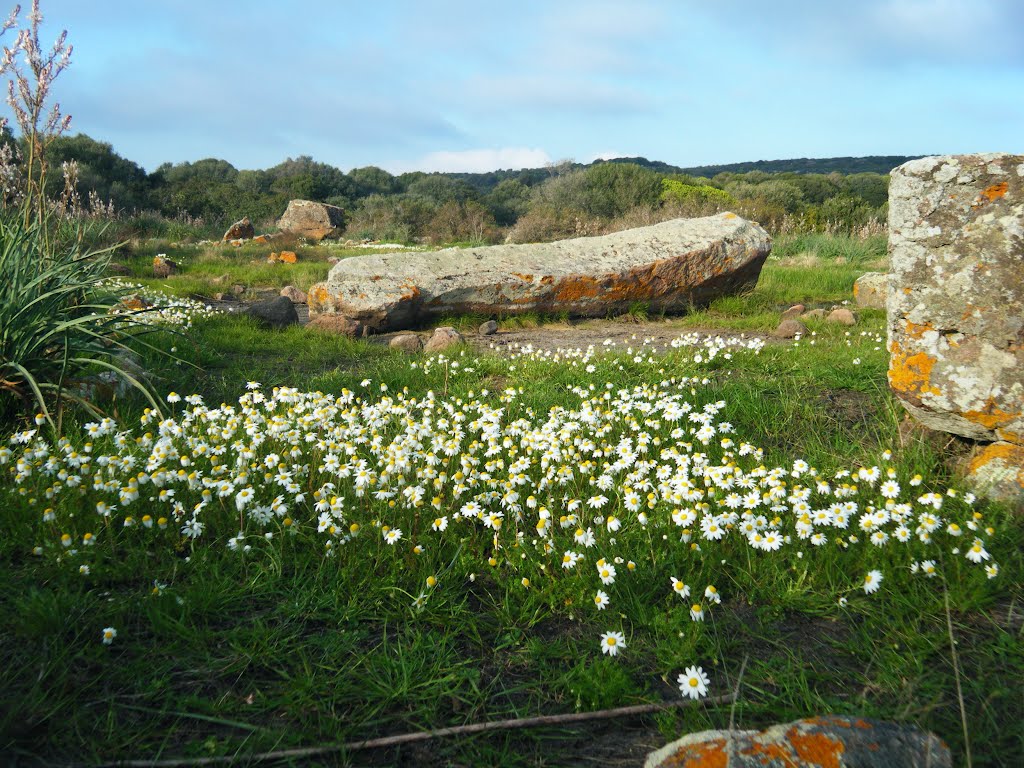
{"points": [[694, 199]]}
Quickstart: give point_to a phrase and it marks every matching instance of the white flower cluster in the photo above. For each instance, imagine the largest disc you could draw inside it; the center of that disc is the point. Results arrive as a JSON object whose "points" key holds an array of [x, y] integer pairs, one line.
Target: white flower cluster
{"points": [[156, 307]]}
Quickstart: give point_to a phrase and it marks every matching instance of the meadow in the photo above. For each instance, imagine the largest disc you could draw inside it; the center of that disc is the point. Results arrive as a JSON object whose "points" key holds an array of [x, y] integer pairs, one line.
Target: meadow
{"points": [[321, 541]]}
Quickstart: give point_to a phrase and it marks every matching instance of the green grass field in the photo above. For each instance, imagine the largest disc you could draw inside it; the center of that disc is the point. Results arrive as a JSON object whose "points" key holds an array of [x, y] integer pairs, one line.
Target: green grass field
{"points": [[245, 548]]}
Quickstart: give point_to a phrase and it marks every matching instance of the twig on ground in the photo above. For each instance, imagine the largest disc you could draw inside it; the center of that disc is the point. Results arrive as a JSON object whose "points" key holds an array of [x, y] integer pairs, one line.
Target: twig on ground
{"points": [[407, 738]]}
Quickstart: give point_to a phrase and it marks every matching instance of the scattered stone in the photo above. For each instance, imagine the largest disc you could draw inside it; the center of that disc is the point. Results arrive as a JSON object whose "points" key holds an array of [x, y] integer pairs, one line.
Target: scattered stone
{"points": [[790, 328], [443, 337], [810, 743], [164, 267], [240, 230], [670, 266], [219, 296], [407, 342], [261, 239], [278, 312], [956, 304], [337, 324], [793, 312], [294, 295], [238, 289], [870, 290], [236, 243], [333, 260], [842, 316], [135, 303], [813, 314], [489, 328], [312, 220], [287, 257]]}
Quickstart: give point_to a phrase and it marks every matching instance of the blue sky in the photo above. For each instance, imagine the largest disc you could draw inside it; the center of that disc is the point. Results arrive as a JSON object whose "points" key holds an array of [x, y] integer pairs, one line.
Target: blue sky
{"points": [[474, 86]]}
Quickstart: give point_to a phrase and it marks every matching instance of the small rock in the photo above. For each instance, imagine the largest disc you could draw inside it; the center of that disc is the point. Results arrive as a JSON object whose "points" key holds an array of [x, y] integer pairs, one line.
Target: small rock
{"points": [[238, 289], [813, 314], [288, 257], [790, 328], [294, 294], [443, 337], [261, 239], [236, 243], [337, 324], [489, 328], [793, 312], [278, 312], [164, 267], [810, 743], [870, 290], [841, 315], [240, 230], [333, 259], [407, 342]]}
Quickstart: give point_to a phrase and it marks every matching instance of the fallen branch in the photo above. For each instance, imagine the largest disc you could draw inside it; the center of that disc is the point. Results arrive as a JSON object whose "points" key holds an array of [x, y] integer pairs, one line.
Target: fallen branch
{"points": [[408, 738]]}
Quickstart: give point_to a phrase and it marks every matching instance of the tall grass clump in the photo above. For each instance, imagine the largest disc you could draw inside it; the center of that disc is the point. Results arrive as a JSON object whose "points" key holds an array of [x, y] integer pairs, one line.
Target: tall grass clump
{"points": [[56, 326]]}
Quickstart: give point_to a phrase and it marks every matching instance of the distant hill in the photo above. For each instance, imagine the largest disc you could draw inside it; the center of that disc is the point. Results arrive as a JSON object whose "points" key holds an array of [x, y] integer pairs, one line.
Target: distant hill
{"points": [[844, 165]]}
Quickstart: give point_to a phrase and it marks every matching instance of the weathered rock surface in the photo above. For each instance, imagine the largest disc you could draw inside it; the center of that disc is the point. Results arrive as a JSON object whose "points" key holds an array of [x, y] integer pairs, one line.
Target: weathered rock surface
{"points": [[407, 342], [338, 324], [278, 312], [870, 290], [240, 230], [164, 267], [793, 312], [442, 338], [841, 316], [812, 743], [956, 304], [790, 328], [671, 266], [294, 295], [312, 220], [813, 314], [488, 329]]}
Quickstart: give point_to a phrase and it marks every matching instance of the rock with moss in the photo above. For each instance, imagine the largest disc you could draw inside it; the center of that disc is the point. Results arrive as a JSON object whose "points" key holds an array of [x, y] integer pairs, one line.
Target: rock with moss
{"points": [[956, 301], [671, 267]]}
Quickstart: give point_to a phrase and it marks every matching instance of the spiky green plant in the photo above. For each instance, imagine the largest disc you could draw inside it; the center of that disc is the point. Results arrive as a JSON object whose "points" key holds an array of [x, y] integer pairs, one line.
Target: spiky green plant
{"points": [[56, 327]]}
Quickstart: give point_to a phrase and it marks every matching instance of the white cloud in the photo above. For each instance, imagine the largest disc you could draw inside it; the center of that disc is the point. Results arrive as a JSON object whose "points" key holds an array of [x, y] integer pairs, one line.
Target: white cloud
{"points": [[611, 155], [483, 160]]}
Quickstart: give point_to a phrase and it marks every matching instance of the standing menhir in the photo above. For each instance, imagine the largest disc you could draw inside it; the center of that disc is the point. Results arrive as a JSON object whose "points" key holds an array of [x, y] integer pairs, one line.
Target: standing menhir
{"points": [[956, 305]]}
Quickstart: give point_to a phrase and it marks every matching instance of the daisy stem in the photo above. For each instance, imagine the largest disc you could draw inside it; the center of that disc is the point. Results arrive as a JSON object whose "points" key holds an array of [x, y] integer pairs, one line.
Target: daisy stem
{"points": [[956, 673]]}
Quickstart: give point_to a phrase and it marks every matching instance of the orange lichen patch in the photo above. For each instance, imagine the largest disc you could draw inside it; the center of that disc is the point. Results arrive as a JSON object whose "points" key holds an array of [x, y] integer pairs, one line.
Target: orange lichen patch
{"points": [[524, 277], [996, 191], [816, 748], [134, 303], [769, 751], [916, 330], [317, 295], [911, 374], [711, 754], [410, 292], [730, 215], [1008, 453], [547, 280], [288, 257], [864, 724], [991, 417], [575, 288], [260, 239]]}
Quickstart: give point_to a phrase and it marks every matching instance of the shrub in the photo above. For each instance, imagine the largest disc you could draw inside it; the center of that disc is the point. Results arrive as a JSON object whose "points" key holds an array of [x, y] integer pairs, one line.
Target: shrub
{"points": [[694, 199]]}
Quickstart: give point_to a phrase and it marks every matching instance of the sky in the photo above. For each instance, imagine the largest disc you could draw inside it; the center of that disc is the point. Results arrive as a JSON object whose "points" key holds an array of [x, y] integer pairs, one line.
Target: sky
{"points": [[454, 85]]}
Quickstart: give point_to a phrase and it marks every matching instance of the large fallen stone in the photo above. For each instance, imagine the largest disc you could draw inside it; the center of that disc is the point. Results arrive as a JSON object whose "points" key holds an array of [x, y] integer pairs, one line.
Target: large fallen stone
{"points": [[956, 304], [812, 743], [312, 220], [670, 266]]}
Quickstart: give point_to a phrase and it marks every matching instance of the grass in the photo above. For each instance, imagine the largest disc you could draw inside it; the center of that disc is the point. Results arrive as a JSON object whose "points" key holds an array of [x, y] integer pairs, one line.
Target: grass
{"points": [[283, 647]]}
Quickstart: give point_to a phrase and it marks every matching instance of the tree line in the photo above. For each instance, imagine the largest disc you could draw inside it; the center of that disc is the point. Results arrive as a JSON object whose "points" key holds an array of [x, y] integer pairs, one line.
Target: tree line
{"points": [[559, 200]]}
